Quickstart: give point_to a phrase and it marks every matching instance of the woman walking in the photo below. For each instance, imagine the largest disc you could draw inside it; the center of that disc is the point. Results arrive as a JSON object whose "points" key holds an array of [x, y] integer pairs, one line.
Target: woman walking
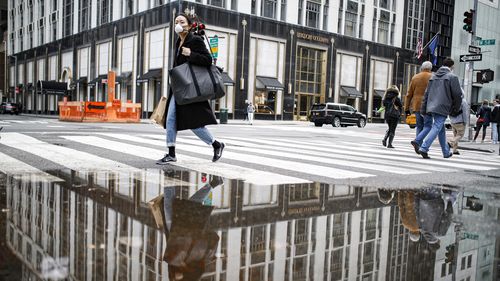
{"points": [[250, 112], [189, 48], [483, 120], [393, 108]]}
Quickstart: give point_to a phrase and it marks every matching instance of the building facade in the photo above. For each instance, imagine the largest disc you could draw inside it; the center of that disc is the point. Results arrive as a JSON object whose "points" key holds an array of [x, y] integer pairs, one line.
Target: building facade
{"points": [[284, 55]]}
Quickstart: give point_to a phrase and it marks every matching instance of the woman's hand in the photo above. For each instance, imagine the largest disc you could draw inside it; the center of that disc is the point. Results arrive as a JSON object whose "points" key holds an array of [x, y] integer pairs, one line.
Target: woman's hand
{"points": [[186, 51]]}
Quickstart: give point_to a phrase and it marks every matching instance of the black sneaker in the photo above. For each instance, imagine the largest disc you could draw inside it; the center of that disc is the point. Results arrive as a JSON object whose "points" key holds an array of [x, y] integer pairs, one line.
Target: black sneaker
{"points": [[218, 152], [424, 154], [449, 155], [456, 152], [166, 159], [416, 147]]}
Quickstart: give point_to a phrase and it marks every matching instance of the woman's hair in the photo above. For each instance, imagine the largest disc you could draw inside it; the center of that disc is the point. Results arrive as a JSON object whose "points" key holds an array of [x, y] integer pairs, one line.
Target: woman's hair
{"points": [[486, 102], [188, 18], [393, 89]]}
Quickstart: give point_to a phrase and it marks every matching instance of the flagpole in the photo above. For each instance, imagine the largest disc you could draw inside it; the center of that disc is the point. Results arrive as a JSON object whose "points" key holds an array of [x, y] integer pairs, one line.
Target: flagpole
{"points": [[423, 48]]}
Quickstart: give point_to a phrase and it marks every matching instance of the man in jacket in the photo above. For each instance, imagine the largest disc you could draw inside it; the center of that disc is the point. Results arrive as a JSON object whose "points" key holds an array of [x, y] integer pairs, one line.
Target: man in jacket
{"points": [[495, 120], [443, 97], [458, 125], [416, 92]]}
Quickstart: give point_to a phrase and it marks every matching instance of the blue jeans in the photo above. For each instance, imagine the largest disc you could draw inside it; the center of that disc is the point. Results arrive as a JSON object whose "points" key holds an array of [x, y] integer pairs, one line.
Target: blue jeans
{"points": [[201, 132], [420, 123], [426, 127], [494, 132], [438, 131]]}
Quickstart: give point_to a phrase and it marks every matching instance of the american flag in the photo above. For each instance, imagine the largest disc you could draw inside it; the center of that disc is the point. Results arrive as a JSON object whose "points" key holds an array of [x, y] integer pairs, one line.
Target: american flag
{"points": [[419, 46]]}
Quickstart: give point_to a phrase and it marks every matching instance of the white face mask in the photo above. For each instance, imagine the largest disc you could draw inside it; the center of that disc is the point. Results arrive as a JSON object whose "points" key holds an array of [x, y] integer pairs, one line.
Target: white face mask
{"points": [[178, 28]]}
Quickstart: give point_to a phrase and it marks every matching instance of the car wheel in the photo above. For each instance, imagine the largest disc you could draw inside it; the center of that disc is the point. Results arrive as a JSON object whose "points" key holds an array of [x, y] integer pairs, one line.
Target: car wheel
{"points": [[336, 122], [361, 122], [318, 124], [447, 126]]}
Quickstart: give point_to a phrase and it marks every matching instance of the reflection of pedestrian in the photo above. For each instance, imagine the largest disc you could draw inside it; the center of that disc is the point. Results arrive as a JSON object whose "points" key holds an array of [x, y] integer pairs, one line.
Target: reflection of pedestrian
{"points": [[483, 121], [393, 107], [416, 93], [250, 112], [189, 48], [458, 125], [443, 97], [190, 245]]}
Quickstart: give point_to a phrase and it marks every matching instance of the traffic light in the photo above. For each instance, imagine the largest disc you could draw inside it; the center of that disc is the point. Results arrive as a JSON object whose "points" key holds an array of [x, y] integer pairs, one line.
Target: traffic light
{"points": [[485, 76], [450, 253], [468, 20]]}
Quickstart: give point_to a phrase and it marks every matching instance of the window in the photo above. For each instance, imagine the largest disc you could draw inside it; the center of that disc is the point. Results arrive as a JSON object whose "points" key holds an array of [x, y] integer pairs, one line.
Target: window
{"points": [[84, 18], [312, 14], [443, 270], [234, 5], [265, 102], [218, 3], [469, 261], [68, 17], [325, 15], [301, 5], [268, 8], [309, 75], [104, 10], [283, 10], [383, 27], [127, 7]]}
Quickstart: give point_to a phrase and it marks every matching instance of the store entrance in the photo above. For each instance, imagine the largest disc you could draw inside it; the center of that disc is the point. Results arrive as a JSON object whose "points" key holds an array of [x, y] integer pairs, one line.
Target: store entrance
{"points": [[303, 104]]}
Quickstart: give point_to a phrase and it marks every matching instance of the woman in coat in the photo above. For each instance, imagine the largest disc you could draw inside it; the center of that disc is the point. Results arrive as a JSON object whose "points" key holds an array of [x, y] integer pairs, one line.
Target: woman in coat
{"points": [[483, 120], [393, 108], [190, 48]]}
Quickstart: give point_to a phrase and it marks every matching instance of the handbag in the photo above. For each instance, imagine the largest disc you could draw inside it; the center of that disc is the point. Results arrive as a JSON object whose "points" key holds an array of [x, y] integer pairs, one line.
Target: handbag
{"points": [[393, 110], [480, 120], [158, 116], [193, 83]]}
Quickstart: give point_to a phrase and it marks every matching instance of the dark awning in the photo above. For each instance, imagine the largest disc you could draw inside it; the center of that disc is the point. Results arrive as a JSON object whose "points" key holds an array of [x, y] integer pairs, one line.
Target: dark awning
{"points": [[226, 79], [269, 83], [150, 75], [81, 80], [98, 79], [350, 92], [379, 93], [52, 87], [123, 78]]}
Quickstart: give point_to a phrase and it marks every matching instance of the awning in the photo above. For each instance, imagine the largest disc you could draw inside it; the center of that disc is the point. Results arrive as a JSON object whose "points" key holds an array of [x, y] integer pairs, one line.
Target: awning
{"points": [[379, 93], [269, 83], [98, 79], [150, 75], [123, 78], [350, 92], [81, 80], [226, 79], [52, 87]]}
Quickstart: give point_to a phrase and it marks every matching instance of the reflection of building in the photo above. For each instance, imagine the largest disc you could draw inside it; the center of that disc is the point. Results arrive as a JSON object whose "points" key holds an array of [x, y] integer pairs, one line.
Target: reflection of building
{"points": [[101, 223], [282, 55]]}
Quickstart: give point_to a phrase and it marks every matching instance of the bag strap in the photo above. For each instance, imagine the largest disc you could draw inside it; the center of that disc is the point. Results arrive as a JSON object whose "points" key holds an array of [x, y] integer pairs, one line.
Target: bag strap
{"points": [[194, 80], [212, 78]]}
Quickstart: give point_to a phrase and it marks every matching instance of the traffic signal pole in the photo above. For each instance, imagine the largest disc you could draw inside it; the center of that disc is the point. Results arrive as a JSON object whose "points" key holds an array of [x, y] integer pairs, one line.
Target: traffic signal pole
{"points": [[469, 67]]}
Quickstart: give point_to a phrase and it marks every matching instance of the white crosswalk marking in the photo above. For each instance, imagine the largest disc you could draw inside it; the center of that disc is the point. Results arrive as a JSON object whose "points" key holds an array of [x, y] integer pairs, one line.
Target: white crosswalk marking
{"points": [[20, 170], [225, 170], [23, 122]]}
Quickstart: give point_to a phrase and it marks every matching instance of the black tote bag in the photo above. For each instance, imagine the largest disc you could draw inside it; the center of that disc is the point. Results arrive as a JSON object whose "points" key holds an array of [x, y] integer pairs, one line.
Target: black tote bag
{"points": [[193, 83]]}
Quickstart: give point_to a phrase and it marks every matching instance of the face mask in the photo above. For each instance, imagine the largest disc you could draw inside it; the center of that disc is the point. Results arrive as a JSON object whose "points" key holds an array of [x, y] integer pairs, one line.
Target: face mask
{"points": [[179, 29]]}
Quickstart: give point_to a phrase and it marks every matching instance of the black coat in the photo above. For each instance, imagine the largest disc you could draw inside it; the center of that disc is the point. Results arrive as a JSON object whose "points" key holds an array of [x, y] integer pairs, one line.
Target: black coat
{"points": [[389, 98], [193, 115]]}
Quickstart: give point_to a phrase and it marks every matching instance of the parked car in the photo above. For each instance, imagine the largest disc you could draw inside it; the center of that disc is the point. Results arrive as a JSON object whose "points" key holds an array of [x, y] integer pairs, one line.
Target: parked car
{"points": [[473, 120], [7, 107], [337, 114]]}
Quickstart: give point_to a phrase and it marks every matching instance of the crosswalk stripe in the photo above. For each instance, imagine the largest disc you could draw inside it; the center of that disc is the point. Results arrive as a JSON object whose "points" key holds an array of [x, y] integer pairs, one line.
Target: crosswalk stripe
{"points": [[20, 170], [318, 170], [252, 176], [405, 156]]}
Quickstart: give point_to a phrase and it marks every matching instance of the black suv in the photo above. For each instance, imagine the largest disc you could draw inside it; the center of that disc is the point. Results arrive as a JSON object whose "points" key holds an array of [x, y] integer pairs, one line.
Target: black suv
{"points": [[337, 114]]}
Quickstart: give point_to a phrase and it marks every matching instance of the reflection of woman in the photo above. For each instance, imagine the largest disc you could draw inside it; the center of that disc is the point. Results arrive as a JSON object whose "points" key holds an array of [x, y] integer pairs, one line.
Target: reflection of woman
{"points": [[190, 246], [195, 116]]}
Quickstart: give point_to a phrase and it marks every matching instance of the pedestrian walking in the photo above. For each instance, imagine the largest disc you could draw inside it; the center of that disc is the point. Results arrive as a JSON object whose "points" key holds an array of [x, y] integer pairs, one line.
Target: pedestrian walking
{"points": [[189, 48], [250, 112], [495, 121], [483, 119], [443, 97], [393, 108], [458, 125], [416, 92]]}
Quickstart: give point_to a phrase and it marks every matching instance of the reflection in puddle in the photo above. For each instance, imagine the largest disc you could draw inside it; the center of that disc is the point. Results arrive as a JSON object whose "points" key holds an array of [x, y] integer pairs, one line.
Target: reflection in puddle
{"points": [[115, 226]]}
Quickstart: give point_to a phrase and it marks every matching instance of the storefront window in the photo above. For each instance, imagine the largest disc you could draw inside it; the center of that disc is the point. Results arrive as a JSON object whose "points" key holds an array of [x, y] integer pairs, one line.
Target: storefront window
{"points": [[265, 101]]}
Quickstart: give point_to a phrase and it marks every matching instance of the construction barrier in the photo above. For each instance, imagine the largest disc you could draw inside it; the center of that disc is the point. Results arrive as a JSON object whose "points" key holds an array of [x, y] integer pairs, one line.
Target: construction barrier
{"points": [[93, 111]]}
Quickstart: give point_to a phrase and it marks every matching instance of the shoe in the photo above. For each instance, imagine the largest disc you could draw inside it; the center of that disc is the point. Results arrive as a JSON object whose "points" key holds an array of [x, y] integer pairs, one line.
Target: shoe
{"points": [[424, 154], [166, 159], [456, 152], [449, 155], [390, 146], [416, 147], [384, 142], [218, 152]]}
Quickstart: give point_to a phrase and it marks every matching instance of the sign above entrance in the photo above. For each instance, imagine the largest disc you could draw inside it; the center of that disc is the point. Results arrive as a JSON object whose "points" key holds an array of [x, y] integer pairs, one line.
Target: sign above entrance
{"points": [[310, 37]]}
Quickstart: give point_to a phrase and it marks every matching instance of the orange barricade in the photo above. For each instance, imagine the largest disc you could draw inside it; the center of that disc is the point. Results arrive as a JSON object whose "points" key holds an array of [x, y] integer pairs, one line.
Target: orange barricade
{"points": [[115, 111]]}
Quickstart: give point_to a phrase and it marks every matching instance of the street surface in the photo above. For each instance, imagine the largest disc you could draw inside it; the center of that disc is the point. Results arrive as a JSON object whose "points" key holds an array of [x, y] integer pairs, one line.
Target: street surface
{"points": [[266, 153]]}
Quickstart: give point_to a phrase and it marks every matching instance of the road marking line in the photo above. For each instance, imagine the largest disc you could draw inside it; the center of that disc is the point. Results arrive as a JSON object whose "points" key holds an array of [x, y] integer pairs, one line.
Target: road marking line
{"points": [[21, 171]]}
